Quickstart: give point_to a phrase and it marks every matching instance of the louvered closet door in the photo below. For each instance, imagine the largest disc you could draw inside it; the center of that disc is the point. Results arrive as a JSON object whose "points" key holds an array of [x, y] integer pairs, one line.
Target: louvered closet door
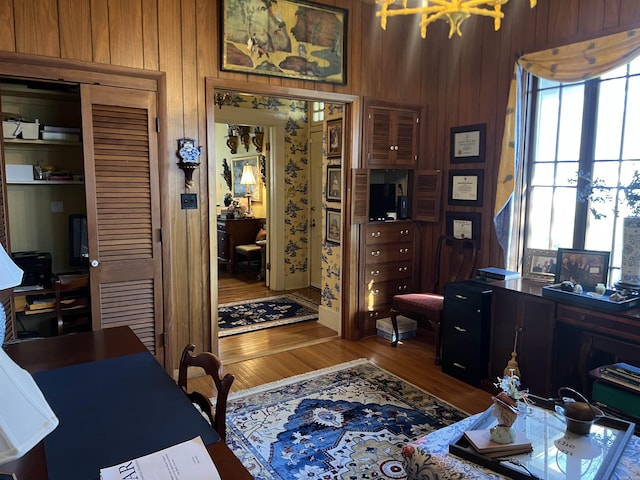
{"points": [[123, 211]]}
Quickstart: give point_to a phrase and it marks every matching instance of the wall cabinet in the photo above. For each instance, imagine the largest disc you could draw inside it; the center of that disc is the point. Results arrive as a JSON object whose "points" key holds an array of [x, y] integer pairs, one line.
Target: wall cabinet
{"points": [[465, 331], [392, 135], [389, 252]]}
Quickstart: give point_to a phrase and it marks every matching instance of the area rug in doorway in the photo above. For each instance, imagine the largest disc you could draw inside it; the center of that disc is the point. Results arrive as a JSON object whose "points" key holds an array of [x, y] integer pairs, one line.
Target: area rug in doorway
{"points": [[345, 422], [259, 313]]}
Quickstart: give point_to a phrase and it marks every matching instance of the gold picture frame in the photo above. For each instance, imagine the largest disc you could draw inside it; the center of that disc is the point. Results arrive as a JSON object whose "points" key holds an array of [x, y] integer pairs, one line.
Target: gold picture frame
{"points": [[288, 38]]}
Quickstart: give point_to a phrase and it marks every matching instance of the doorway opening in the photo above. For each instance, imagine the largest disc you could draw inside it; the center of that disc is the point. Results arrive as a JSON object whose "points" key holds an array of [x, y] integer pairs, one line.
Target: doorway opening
{"points": [[291, 196]]}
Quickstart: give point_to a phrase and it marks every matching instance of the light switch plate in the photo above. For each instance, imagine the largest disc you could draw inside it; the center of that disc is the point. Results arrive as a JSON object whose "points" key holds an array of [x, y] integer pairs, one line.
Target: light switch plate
{"points": [[188, 201]]}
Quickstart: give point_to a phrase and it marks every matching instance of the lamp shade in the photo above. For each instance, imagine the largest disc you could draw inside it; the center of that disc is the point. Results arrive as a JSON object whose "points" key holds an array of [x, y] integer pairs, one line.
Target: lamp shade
{"points": [[25, 415], [247, 176], [10, 274]]}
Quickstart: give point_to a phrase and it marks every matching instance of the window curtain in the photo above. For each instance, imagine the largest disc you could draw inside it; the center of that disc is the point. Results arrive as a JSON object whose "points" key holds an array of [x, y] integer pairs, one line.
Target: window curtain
{"points": [[570, 63]]}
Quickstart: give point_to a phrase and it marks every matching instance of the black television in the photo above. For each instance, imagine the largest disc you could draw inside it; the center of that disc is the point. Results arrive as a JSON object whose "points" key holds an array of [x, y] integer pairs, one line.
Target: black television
{"points": [[382, 199], [78, 241]]}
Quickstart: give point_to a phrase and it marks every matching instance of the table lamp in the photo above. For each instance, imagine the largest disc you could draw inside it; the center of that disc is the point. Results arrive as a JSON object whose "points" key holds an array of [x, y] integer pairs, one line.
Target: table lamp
{"points": [[248, 179], [25, 415]]}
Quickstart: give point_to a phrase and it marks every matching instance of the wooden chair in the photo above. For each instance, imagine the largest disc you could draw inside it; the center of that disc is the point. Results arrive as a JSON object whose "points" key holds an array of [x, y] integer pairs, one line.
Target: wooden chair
{"points": [[455, 261], [212, 366], [73, 304]]}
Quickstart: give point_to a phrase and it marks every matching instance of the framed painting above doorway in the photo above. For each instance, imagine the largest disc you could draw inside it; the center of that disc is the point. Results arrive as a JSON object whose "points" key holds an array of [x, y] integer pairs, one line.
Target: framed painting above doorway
{"points": [[305, 41]]}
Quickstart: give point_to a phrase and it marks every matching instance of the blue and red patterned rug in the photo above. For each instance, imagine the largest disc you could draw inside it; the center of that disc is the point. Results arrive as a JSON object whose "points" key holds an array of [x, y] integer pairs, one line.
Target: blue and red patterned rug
{"points": [[345, 422], [256, 314]]}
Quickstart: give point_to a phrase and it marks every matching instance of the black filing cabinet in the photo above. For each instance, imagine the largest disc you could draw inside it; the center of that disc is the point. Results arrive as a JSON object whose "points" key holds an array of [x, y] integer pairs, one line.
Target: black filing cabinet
{"points": [[465, 331]]}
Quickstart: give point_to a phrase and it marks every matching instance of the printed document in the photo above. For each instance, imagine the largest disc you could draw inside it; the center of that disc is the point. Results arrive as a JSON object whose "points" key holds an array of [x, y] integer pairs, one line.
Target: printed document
{"points": [[186, 461]]}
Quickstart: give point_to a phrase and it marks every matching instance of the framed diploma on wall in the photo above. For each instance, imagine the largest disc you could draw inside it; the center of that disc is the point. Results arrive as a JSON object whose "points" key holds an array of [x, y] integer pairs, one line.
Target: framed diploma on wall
{"points": [[466, 187], [463, 225], [468, 143]]}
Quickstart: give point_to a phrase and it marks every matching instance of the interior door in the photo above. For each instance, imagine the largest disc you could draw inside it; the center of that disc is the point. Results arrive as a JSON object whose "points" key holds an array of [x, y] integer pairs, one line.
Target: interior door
{"points": [[123, 210], [315, 191]]}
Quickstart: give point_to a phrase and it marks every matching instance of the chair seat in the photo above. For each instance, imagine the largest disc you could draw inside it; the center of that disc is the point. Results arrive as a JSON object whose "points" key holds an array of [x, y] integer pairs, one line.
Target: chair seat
{"points": [[248, 249], [419, 301]]}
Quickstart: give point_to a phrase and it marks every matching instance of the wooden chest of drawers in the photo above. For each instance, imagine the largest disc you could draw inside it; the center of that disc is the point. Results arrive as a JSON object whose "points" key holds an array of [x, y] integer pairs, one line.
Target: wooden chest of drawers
{"points": [[388, 260]]}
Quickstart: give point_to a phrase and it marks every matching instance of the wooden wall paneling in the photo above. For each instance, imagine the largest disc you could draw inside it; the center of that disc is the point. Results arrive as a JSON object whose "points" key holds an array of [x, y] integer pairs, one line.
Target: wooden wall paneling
{"points": [[7, 32], [100, 42], [207, 58], [36, 24], [612, 13], [75, 29], [170, 47], [196, 233], [591, 17], [150, 34], [370, 71], [541, 13], [563, 23], [353, 51], [125, 33], [629, 13]]}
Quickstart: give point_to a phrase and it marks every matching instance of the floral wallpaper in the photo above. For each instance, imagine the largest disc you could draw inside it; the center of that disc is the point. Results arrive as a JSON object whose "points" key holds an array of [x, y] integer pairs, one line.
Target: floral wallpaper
{"points": [[331, 253], [296, 173]]}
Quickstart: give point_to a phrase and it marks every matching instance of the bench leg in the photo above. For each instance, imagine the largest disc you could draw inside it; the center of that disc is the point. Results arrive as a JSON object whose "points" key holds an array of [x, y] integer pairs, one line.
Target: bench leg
{"points": [[394, 323]]}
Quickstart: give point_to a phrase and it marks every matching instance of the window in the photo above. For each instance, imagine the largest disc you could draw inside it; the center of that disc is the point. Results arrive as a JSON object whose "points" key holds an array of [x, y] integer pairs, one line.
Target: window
{"points": [[583, 149], [317, 112]]}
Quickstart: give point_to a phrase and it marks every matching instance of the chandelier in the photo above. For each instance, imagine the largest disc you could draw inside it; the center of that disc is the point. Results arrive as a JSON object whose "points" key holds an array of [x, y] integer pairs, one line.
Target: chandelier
{"points": [[454, 11]]}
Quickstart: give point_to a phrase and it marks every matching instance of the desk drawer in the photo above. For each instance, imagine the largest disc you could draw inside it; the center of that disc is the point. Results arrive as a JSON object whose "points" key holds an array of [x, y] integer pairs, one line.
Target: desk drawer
{"points": [[393, 271], [381, 293], [627, 328], [392, 232], [396, 252]]}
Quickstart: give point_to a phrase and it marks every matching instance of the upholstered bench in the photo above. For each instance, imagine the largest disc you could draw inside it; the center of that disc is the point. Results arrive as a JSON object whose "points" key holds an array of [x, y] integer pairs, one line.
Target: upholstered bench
{"points": [[249, 251]]}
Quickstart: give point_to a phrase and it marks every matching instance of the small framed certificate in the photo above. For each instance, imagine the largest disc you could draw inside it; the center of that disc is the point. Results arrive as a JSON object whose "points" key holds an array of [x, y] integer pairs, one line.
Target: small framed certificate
{"points": [[463, 225], [466, 187], [468, 143]]}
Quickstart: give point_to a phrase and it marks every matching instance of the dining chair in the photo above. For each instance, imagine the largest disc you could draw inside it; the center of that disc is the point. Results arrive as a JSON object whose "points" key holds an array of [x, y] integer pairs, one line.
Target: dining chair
{"points": [[455, 260], [212, 366], [73, 304]]}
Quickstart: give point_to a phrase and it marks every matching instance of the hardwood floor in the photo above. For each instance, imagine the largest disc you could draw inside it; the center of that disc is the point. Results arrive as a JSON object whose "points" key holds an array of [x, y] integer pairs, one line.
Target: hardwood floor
{"points": [[273, 354]]}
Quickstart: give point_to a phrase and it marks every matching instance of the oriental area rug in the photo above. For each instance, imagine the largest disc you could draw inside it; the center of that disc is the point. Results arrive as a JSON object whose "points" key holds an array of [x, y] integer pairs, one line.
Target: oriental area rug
{"points": [[344, 422], [256, 314]]}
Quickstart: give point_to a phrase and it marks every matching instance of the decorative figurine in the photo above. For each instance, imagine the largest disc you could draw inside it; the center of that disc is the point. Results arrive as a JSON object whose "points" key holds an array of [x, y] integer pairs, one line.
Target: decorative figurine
{"points": [[189, 154]]}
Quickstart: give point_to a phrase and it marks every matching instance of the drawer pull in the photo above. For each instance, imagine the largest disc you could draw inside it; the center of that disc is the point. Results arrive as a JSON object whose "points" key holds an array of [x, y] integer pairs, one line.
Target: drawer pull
{"points": [[375, 273], [402, 288], [456, 364], [376, 253], [404, 232], [375, 234], [373, 314], [402, 269], [404, 250], [461, 297], [375, 292], [460, 329]]}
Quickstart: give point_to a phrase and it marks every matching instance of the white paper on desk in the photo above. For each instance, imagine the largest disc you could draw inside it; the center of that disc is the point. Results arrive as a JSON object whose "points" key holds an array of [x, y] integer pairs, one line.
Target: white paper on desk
{"points": [[186, 461]]}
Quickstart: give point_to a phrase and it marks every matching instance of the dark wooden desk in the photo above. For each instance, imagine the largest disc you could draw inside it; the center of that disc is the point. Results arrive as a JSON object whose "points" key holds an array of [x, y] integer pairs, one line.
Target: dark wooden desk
{"points": [[56, 352]]}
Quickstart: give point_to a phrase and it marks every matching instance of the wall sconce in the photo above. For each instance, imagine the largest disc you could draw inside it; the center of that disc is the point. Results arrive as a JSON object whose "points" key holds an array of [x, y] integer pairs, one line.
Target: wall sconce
{"points": [[220, 99], [258, 139], [189, 154]]}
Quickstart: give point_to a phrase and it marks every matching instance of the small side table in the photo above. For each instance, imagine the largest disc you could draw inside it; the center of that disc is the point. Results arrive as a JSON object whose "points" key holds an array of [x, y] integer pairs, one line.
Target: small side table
{"points": [[263, 259]]}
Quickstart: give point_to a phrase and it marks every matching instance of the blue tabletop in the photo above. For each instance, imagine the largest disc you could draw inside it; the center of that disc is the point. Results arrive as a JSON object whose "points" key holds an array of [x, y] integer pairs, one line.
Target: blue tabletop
{"points": [[114, 410]]}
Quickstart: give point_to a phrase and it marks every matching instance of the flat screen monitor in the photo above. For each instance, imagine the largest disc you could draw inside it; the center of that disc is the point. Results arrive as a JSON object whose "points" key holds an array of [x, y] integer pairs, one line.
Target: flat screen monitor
{"points": [[78, 241], [382, 199]]}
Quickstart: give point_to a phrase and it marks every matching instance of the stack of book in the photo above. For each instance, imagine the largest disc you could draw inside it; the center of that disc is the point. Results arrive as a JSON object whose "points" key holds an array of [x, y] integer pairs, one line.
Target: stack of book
{"points": [[481, 441], [622, 374]]}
